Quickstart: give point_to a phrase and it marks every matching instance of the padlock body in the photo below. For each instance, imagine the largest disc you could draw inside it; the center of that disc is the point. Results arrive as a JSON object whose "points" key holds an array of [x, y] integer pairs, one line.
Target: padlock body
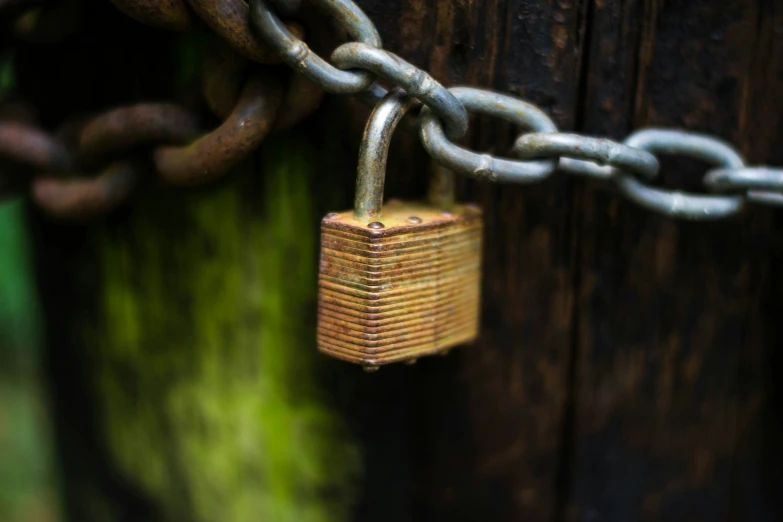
{"points": [[397, 293]]}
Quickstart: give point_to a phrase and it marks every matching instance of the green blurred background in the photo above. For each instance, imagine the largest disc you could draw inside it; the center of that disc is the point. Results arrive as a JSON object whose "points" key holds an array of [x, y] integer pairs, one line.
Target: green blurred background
{"points": [[27, 485], [27, 470]]}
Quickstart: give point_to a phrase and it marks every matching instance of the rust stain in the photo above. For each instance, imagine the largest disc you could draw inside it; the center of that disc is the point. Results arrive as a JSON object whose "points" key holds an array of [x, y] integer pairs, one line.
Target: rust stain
{"points": [[559, 38], [402, 287]]}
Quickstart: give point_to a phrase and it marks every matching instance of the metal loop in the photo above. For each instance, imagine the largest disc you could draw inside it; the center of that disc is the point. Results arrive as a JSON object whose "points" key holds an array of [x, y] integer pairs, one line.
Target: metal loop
{"points": [[374, 151], [79, 198], [476, 165], [597, 150], [298, 55], [376, 93], [216, 153], [123, 128], [761, 185], [745, 178], [588, 169], [21, 143], [413, 80], [770, 199], [674, 203]]}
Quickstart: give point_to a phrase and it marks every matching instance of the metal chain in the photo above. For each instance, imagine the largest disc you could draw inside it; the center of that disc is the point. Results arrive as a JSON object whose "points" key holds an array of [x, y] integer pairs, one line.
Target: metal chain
{"points": [[444, 117], [485, 166], [252, 104]]}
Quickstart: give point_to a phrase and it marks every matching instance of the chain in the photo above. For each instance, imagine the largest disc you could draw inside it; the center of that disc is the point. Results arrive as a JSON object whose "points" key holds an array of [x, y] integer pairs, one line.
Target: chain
{"points": [[253, 104], [541, 150]]}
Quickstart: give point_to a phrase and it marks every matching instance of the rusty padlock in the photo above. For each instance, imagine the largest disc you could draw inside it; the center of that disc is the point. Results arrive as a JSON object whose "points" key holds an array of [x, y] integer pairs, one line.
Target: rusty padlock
{"points": [[400, 281]]}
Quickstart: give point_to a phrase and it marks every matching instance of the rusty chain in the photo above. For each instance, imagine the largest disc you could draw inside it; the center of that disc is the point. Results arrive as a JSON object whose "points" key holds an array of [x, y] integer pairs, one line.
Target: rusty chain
{"points": [[253, 102], [90, 167]]}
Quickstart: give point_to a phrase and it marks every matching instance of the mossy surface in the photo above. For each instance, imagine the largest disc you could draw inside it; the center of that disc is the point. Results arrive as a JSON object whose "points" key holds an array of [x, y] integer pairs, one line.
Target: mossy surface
{"points": [[27, 471], [204, 351]]}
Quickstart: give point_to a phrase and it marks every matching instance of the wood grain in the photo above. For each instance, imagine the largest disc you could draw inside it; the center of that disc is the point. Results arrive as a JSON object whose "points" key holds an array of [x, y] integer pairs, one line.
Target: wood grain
{"points": [[670, 350], [489, 418], [659, 321], [626, 367]]}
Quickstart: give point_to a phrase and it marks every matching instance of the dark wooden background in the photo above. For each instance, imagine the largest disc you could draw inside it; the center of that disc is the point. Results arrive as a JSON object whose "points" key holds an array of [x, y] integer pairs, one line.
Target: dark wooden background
{"points": [[627, 368]]}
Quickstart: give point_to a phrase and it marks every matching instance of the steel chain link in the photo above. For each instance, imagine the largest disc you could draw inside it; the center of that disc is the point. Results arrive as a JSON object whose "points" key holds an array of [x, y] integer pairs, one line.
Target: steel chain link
{"points": [[469, 163], [252, 105]]}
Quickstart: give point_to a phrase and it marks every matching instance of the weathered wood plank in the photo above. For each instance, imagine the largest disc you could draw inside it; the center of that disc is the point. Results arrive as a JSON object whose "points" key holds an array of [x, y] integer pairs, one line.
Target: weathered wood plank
{"points": [[620, 373], [489, 418], [671, 348]]}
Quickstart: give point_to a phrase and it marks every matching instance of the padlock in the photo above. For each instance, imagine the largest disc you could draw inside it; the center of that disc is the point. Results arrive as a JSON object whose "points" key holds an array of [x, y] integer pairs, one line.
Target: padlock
{"points": [[401, 281]]}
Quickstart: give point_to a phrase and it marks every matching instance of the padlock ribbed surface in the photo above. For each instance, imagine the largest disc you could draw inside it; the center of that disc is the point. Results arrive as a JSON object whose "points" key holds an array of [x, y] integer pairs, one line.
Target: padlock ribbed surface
{"points": [[402, 291]]}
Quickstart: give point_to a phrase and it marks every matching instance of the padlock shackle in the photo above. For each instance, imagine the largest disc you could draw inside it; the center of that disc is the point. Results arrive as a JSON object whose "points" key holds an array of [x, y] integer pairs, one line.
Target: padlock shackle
{"points": [[374, 151]]}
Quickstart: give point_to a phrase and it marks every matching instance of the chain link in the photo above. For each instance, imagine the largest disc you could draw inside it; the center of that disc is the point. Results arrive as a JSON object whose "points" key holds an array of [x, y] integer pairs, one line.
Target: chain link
{"points": [[251, 105], [598, 151], [675, 203], [215, 153], [122, 129], [485, 166], [761, 185], [417, 83], [26, 145], [770, 199], [294, 52], [744, 178], [83, 197]]}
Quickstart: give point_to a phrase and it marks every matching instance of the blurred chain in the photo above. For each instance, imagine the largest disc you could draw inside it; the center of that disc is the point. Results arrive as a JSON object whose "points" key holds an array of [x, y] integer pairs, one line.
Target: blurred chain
{"points": [[251, 102], [215, 153], [26, 145], [443, 117], [174, 15]]}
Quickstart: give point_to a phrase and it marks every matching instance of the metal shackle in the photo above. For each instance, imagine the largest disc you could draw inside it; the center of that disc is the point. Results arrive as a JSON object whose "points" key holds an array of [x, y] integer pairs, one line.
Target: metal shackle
{"points": [[374, 151]]}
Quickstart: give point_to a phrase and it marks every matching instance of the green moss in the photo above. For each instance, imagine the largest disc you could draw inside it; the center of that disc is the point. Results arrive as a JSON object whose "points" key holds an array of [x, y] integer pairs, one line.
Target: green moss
{"points": [[205, 353], [27, 485]]}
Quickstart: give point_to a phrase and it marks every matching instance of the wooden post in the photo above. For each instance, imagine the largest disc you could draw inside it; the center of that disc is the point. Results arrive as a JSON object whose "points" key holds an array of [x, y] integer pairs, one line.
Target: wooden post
{"points": [[624, 369]]}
